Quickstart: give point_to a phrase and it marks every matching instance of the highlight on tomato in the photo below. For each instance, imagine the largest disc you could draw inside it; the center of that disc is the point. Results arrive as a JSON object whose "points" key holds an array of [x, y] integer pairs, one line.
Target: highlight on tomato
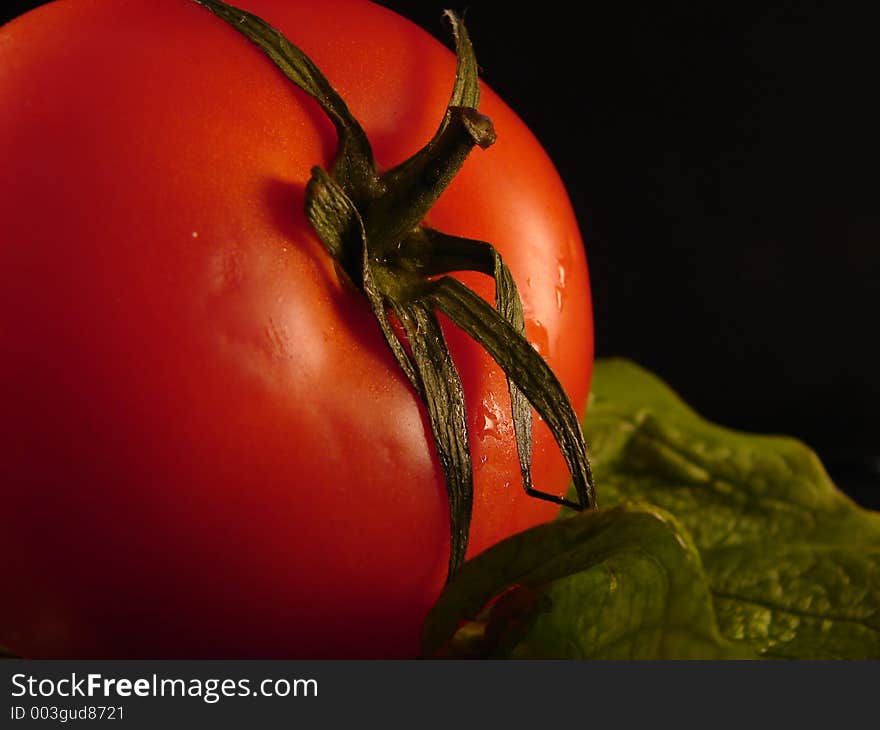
{"points": [[274, 333]]}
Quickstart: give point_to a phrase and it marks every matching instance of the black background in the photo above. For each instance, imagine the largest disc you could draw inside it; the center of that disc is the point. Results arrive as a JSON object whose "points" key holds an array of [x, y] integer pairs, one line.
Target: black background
{"points": [[723, 164]]}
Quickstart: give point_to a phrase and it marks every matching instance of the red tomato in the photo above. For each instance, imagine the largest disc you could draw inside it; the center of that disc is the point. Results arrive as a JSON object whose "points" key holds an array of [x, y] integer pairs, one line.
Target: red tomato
{"points": [[207, 448]]}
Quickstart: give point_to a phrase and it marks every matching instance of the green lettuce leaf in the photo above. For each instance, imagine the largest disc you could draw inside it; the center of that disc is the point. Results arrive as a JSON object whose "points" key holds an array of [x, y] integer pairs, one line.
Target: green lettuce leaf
{"points": [[709, 544], [623, 583], [793, 565]]}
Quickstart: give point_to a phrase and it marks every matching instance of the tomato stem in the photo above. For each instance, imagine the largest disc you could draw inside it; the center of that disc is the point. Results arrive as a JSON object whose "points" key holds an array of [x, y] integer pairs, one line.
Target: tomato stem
{"points": [[413, 187], [371, 223]]}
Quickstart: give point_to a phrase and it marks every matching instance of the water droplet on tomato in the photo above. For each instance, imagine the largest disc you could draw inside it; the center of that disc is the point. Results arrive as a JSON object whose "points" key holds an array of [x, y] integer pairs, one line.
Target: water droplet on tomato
{"points": [[538, 337], [490, 420], [487, 423], [560, 286]]}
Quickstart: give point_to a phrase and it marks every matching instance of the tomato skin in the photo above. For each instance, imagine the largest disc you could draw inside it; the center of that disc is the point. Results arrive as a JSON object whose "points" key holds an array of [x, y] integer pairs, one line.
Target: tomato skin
{"points": [[207, 449]]}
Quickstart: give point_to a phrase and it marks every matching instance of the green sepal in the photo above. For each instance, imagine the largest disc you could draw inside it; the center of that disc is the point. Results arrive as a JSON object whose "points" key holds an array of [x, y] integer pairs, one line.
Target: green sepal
{"points": [[430, 253], [444, 399], [529, 371], [465, 93], [354, 167], [466, 90], [339, 226]]}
